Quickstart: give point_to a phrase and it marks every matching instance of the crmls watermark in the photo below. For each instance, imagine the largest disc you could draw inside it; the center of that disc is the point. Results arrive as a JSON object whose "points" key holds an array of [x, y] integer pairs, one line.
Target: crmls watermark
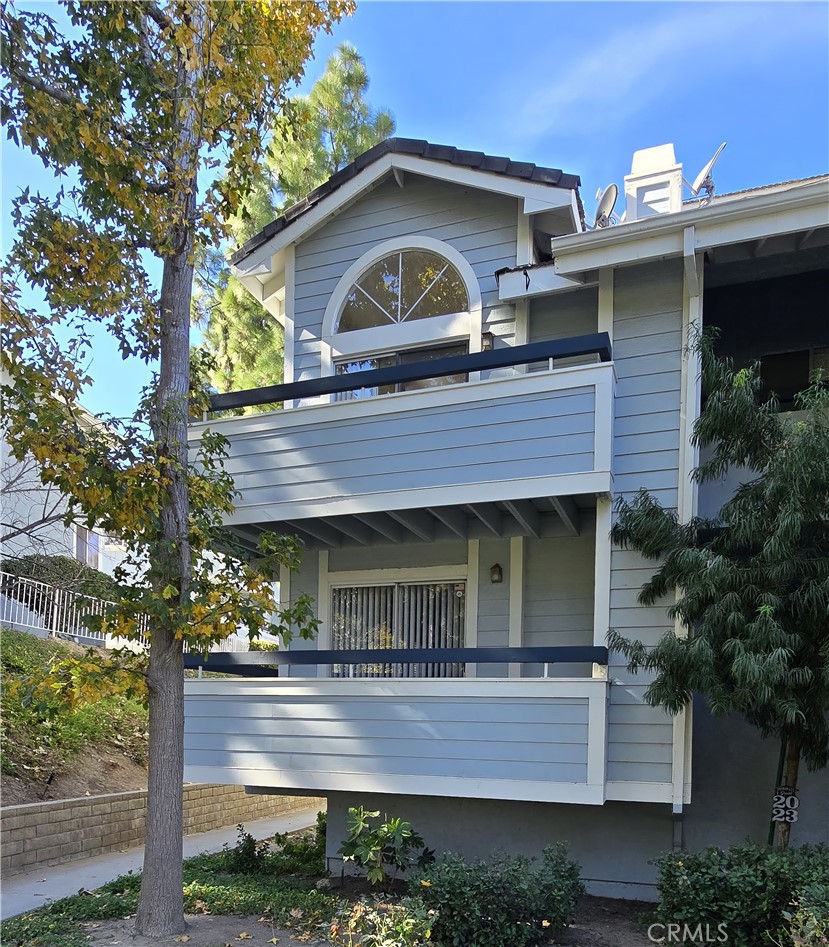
{"points": [[688, 933]]}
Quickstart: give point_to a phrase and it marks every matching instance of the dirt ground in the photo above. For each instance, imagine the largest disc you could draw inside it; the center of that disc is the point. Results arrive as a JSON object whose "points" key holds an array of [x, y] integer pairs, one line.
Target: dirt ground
{"points": [[97, 770], [204, 930], [601, 922]]}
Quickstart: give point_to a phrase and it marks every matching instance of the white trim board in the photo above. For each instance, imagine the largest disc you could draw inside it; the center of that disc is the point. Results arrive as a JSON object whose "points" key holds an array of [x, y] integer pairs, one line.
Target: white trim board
{"points": [[462, 787], [536, 197], [591, 481]]}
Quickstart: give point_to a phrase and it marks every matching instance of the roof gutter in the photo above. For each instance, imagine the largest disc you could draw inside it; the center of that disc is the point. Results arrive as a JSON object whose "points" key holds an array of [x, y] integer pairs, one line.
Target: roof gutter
{"points": [[733, 221]]}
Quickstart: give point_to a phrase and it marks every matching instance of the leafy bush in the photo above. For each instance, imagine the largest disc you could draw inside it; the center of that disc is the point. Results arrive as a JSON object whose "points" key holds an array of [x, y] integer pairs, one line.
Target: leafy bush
{"points": [[382, 847], [63, 572], [43, 731], [372, 923], [807, 921], [756, 892], [259, 645], [300, 854], [508, 902], [250, 856]]}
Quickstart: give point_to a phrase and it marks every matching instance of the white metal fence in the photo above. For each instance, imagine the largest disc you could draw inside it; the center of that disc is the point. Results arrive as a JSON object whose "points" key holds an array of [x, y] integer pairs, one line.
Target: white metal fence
{"points": [[50, 612]]}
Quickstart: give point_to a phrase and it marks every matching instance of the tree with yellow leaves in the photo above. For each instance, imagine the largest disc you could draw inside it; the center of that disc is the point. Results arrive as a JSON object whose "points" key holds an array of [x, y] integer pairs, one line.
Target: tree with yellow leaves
{"points": [[156, 113]]}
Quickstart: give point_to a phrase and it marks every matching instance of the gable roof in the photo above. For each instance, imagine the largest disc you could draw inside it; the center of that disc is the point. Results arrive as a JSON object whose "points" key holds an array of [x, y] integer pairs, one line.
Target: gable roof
{"points": [[414, 147]]}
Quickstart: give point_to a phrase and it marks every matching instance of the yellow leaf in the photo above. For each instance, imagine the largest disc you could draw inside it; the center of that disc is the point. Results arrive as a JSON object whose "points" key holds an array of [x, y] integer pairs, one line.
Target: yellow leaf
{"points": [[182, 938], [245, 936]]}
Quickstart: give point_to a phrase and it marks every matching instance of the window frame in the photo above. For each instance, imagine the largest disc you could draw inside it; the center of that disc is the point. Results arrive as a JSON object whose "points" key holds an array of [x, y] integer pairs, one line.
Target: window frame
{"points": [[397, 337], [395, 586]]}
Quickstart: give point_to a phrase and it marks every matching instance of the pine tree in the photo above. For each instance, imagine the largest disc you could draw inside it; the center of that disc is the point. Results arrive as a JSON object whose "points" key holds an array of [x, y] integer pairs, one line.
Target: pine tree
{"points": [[754, 582], [336, 124]]}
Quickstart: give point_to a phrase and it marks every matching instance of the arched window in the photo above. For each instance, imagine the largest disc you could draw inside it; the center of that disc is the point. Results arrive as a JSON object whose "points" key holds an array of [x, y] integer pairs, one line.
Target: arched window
{"points": [[412, 298], [402, 286]]}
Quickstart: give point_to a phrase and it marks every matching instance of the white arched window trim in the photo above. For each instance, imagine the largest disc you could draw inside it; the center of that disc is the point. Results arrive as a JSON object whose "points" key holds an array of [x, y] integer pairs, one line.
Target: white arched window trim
{"points": [[435, 329]]}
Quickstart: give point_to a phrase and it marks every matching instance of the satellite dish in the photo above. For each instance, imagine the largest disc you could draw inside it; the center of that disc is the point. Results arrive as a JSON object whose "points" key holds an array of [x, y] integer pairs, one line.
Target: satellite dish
{"points": [[604, 211], [704, 181]]}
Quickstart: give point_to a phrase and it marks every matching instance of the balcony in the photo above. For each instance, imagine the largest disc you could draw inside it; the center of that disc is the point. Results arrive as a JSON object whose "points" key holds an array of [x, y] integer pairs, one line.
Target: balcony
{"points": [[528, 434], [532, 739]]}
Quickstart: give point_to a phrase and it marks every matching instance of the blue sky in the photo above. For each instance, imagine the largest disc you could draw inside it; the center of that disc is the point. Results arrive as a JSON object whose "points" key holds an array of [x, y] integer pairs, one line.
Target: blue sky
{"points": [[578, 86]]}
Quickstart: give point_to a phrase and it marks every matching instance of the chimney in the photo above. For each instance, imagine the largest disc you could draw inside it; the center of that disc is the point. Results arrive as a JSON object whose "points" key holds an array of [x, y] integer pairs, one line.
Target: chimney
{"points": [[654, 185]]}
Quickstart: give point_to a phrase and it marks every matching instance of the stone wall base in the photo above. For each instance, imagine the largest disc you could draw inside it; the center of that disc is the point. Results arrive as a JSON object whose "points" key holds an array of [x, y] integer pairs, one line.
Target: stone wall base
{"points": [[50, 833]]}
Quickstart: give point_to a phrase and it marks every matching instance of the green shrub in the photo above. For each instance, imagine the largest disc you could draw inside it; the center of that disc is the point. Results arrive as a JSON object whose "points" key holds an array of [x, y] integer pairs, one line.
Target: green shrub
{"points": [[301, 854], [259, 645], [382, 847], [806, 921], [22, 653], [505, 902], [63, 572], [372, 923], [43, 734], [749, 889]]}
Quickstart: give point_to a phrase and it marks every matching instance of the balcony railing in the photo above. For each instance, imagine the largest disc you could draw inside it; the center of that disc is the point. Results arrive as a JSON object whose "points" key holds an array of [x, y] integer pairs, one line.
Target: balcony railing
{"points": [[267, 663], [514, 436], [597, 343]]}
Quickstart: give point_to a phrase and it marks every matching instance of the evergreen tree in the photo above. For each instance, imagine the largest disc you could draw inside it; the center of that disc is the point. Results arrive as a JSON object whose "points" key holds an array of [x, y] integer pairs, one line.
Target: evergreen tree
{"points": [[754, 583], [336, 124]]}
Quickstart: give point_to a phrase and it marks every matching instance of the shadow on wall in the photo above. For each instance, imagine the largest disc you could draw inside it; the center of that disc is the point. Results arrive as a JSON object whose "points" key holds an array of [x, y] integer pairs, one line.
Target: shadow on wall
{"points": [[734, 771]]}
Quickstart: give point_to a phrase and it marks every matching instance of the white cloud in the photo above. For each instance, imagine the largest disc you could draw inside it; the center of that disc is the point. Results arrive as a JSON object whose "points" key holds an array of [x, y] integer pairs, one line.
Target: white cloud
{"points": [[603, 86]]}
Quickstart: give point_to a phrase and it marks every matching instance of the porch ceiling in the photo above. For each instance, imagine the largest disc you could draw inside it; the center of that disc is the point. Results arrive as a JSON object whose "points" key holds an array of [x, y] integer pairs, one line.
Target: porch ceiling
{"points": [[538, 517]]}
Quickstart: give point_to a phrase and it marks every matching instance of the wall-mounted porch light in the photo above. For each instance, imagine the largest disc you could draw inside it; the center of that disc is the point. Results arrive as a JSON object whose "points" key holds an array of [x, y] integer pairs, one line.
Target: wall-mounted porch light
{"points": [[487, 342], [496, 574]]}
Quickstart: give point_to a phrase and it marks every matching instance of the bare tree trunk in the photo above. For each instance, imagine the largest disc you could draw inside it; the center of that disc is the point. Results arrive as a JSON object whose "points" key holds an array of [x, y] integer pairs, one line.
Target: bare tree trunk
{"points": [[783, 830], [161, 905]]}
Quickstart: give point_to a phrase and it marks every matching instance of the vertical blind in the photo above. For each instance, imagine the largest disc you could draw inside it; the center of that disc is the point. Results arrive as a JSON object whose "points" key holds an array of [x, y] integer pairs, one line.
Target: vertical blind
{"points": [[399, 616]]}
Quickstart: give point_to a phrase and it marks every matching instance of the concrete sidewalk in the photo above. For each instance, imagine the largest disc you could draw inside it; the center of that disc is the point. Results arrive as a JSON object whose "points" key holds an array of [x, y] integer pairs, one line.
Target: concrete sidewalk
{"points": [[32, 889]]}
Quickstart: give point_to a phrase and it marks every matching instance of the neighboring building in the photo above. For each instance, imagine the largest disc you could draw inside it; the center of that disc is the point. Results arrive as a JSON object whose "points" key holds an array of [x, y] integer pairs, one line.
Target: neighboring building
{"points": [[468, 502], [33, 515]]}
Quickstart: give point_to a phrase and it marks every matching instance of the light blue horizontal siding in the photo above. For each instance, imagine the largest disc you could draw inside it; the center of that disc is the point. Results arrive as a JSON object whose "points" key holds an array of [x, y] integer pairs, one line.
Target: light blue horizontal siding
{"points": [[481, 226], [531, 739], [493, 602], [494, 439], [647, 351], [562, 316]]}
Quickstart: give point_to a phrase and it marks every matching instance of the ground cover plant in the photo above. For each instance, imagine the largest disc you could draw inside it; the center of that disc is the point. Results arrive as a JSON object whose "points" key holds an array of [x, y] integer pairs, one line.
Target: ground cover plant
{"points": [[506, 902], [223, 883], [763, 896], [41, 732]]}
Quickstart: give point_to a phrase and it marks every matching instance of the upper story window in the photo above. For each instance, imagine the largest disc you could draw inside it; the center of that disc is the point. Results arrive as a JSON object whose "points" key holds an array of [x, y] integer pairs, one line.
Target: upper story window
{"points": [[87, 547], [411, 298], [403, 286]]}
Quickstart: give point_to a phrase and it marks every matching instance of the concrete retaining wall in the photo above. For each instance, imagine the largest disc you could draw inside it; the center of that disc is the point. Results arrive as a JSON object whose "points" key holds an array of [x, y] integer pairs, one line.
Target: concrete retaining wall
{"points": [[50, 833]]}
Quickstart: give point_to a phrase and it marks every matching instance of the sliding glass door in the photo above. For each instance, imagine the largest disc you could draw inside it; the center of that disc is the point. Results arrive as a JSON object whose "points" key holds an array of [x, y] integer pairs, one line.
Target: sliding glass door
{"points": [[411, 615]]}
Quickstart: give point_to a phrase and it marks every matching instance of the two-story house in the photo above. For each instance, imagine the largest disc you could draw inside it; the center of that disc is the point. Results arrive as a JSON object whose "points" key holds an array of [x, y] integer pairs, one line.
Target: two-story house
{"points": [[472, 378]]}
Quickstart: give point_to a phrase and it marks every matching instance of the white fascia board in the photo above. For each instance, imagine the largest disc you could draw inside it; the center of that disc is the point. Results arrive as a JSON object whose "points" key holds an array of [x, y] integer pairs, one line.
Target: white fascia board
{"points": [[282, 689], [542, 197], [543, 280], [455, 786], [537, 197], [638, 792], [753, 217], [588, 482]]}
